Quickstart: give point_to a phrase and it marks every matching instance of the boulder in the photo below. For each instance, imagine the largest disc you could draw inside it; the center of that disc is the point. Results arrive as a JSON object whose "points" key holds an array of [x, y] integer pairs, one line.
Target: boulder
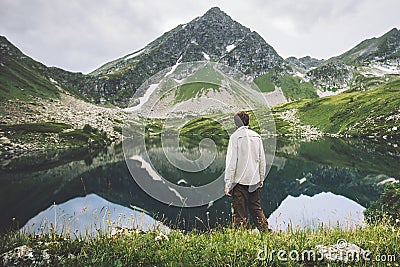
{"points": [[343, 252], [5, 141]]}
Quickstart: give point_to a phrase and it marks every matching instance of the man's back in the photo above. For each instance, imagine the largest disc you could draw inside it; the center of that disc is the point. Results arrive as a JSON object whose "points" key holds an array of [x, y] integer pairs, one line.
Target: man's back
{"points": [[245, 158]]}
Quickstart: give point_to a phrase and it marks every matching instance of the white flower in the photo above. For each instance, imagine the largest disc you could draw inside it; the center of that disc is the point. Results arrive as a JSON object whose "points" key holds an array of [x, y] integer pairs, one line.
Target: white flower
{"points": [[161, 236]]}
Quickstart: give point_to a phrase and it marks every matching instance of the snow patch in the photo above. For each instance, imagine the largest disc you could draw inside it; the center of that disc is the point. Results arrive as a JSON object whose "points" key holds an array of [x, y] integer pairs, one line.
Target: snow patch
{"points": [[302, 180], [229, 48], [389, 180], [299, 74], [135, 54], [302, 76], [174, 67], [381, 70], [206, 56], [53, 81], [329, 93], [143, 99]]}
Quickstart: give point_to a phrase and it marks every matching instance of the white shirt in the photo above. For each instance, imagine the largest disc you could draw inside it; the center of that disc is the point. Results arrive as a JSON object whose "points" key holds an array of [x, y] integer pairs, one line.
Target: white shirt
{"points": [[245, 158]]}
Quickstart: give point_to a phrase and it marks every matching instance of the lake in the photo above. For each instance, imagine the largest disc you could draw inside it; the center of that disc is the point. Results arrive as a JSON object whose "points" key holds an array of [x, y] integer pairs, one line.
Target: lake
{"points": [[327, 181]]}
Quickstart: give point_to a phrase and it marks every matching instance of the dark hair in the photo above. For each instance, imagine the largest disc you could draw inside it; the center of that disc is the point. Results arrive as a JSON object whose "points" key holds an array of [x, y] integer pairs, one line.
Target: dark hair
{"points": [[241, 118]]}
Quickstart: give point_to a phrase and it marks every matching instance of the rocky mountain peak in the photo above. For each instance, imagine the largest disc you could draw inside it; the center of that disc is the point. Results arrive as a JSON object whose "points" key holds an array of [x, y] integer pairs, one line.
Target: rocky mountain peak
{"points": [[215, 13], [393, 40], [215, 36], [215, 18], [394, 31]]}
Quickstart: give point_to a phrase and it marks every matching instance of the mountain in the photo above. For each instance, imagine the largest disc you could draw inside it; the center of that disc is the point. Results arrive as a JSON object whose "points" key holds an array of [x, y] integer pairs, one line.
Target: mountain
{"points": [[373, 61], [20, 76], [383, 48], [374, 112], [213, 37], [23, 78], [304, 63], [42, 108], [368, 80]]}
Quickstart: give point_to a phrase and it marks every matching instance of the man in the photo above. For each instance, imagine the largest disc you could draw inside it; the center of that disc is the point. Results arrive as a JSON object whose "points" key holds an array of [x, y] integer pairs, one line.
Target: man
{"points": [[244, 173]]}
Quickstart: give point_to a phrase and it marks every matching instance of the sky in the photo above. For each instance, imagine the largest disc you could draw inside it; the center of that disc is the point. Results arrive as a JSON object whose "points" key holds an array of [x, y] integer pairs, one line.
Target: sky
{"points": [[83, 35]]}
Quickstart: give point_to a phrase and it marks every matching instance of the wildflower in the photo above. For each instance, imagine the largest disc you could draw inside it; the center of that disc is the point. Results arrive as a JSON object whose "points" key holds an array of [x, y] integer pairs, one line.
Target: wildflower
{"points": [[161, 236]]}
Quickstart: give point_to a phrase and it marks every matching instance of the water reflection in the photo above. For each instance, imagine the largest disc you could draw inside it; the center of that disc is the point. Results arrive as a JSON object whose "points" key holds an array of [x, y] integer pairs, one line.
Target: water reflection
{"points": [[323, 209], [90, 215], [352, 169]]}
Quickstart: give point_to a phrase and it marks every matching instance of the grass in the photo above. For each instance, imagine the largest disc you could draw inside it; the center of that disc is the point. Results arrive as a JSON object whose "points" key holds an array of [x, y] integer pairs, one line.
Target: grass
{"points": [[42, 132], [293, 88], [86, 136], [18, 81], [216, 247], [154, 126], [387, 206], [25, 79], [203, 126], [284, 127], [366, 81], [354, 113], [195, 89], [40, 127], [380, 44], [264, 82]]}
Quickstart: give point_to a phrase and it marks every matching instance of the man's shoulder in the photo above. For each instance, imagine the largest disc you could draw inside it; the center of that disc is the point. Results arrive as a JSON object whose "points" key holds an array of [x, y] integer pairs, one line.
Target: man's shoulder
{"points": [[250, 132], [244, 132], [234, 135]]}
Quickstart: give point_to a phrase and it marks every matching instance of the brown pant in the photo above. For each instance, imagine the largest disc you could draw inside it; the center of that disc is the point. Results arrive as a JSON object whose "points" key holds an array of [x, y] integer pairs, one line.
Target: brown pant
{"points": [[242, 199]]}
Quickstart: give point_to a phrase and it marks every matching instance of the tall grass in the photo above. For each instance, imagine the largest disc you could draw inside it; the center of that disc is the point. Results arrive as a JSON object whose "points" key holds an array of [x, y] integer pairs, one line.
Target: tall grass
{"points": [[216, 247]]}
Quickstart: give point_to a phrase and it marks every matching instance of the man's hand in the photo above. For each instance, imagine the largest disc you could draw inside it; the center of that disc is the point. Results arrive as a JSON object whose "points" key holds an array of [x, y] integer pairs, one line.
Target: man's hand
{"points": [[227, 192]]}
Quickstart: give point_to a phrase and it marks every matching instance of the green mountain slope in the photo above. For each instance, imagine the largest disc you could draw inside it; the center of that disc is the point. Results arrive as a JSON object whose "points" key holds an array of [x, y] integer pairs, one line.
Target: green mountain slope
{"points": [[23, 78], [19, 76], [359, 113], [294, 88]]}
